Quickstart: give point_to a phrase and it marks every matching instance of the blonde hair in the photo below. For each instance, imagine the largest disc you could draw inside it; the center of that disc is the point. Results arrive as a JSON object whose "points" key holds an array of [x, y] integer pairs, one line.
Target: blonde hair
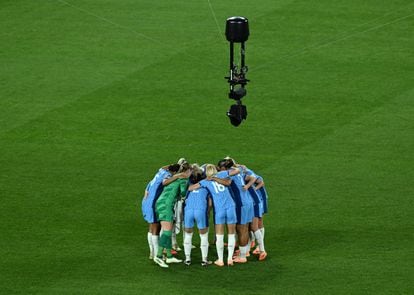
{"points": [[211, 170], [181, 161]]}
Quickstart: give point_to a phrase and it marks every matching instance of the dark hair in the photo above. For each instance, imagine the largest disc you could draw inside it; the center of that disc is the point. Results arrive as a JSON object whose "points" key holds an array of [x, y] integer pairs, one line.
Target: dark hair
{"points": [[196, 176], [226, 163], [174, 168], [184, 167]]}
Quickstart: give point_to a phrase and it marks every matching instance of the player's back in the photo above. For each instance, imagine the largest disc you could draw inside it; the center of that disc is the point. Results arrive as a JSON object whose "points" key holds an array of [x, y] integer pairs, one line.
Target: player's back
{"points": [[197, 199], [239, 193], [173, 191], [219, 193], [155, 185]]}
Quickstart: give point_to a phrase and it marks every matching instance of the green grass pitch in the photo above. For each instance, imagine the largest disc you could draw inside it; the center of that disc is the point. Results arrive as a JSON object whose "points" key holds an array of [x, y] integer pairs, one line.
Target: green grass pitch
{"points": [[96, 95]]}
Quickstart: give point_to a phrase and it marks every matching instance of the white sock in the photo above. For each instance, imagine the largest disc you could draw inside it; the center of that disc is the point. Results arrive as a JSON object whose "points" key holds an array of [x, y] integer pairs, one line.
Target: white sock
{"points": [[251, 235], [263, 231], [174, 239], [204, 246], [243, 251], [259, 239], [230, 245], [249, 243], [155, 240], [220, 246], [151, 247], [188, 237]]}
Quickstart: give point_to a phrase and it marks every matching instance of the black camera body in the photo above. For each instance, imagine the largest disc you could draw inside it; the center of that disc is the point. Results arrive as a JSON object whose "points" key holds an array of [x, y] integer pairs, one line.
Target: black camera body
{"points": [[237, 31]]}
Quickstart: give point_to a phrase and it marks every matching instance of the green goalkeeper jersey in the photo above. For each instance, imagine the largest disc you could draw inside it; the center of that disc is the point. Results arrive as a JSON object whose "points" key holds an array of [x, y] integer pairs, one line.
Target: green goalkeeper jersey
{"points": [[164, 207]]}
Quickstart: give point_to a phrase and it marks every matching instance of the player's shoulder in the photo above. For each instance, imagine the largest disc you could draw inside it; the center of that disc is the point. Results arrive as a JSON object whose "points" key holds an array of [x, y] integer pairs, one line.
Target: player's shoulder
{"points": [[222, 174]]}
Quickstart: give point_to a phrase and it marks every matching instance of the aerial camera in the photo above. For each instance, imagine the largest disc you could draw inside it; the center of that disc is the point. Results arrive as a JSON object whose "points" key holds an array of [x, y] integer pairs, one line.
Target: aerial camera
{"points": [[237, 31]]}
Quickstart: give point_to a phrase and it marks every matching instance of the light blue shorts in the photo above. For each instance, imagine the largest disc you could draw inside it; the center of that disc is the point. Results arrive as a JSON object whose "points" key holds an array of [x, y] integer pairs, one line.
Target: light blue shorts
{"points": [[197, 215], [258, 209], [148, 210], [245, 213], [225, 216], [263, 194]]}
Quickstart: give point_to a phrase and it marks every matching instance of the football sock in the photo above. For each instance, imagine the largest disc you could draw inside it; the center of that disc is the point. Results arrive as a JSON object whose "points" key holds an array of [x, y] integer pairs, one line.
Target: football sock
{"points": [[249, 243], [161, 245], [251, 235], [231, 241], [263, 232], [173, 238], [168, 242], [220, 246], [188, 237], [154, 241], [149, 239], [259, 239], [204, 246], [243, 251]]}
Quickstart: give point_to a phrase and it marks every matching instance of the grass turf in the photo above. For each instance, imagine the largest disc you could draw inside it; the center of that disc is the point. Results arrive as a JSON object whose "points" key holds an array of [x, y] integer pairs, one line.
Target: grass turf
{"points": [[96, 95]]}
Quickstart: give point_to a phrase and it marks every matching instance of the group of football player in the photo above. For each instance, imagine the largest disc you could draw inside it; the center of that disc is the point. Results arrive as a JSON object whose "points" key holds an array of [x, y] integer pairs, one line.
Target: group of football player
{"points": [[186, 193]]}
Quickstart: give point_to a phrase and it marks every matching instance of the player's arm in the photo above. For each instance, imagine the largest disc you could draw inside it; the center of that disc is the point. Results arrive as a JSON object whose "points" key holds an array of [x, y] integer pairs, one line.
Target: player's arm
{"points": [[173, 178], [259, 185], [223, 181], [251, 179], [194, 187], [169, 180], [234, 171]]}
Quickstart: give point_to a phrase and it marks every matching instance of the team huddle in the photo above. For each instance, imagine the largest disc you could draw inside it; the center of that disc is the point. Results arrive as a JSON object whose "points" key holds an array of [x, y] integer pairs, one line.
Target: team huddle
{"points": [[188, 192]]}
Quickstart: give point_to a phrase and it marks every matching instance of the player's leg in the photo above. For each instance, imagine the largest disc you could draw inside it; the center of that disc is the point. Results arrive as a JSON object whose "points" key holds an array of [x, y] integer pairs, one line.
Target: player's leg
{"points": [[243, 232], [252, 238], [260, 237], [164, 242], [201, 218], [219, 228], [261, 226], [155, 230], [204, 246], [231, 242], [149, 239], [167, 242], [231, 232], [188, 234], [188, 238]]}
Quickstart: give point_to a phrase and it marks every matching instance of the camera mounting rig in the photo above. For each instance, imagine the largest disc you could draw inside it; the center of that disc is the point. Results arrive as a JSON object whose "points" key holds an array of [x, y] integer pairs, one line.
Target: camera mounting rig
{"points": [[237, 31]]}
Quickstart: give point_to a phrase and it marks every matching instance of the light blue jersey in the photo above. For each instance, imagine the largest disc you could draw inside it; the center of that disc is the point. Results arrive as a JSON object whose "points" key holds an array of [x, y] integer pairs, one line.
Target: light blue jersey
{"points": [[242, 197], [223, 203], [197, 199], [196, 209], [262, 194], [244, 203], [256, 196], [219, 193], [154, 189]]}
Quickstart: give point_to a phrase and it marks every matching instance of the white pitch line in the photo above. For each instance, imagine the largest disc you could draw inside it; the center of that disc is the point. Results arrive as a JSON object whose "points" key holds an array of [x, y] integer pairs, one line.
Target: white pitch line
{"points": [[215, 19], [110, 22], [129, 29], [319, 45]]}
